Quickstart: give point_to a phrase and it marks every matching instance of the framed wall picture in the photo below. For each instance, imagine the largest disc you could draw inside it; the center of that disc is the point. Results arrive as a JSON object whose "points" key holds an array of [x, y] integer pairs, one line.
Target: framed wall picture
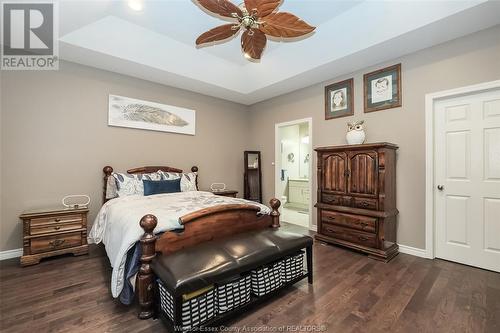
{"points": [[136, 113], [339, 99], [383, 89]]}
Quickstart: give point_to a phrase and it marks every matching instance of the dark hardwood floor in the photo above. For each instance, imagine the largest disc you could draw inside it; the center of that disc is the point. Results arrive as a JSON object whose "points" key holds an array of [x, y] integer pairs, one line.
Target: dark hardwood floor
{"points": [[351, 293]]}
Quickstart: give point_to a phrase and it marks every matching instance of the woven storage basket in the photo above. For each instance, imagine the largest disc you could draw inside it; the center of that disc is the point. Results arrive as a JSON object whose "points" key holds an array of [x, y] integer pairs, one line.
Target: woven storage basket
{"points": [[266, 279], [233, 294], [293, 267], [195, 311]]}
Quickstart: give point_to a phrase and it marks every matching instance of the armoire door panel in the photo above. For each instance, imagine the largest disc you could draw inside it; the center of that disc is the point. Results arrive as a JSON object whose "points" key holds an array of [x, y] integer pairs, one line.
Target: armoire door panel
{"points": [[363, 173], [334, 173]]}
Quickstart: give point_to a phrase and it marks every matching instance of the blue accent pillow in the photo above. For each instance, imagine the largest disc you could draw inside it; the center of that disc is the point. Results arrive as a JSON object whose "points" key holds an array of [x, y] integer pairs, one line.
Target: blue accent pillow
{"points": [[161, 186]]}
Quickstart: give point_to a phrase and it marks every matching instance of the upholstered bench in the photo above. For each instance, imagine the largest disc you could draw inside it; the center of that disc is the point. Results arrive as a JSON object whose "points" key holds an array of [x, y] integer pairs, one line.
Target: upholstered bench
{"points": [[204, 284]]}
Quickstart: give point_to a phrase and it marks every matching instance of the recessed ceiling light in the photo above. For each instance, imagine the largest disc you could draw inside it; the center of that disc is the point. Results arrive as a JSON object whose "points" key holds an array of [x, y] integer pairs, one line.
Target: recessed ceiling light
{"points": [[136, 5]]}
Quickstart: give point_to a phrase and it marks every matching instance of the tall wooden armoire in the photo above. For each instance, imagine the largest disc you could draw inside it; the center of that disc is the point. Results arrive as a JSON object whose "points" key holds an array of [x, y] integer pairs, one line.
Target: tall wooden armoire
{"points": [[357, 198]]}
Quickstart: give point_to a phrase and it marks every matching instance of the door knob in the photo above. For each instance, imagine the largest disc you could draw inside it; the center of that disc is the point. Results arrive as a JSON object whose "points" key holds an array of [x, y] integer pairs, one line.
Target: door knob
{"points": [[440, 187]]}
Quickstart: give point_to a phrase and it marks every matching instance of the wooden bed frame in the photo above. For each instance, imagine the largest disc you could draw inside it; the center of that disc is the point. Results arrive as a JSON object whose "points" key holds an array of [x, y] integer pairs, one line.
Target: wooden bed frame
{"points": [[201, 226]]}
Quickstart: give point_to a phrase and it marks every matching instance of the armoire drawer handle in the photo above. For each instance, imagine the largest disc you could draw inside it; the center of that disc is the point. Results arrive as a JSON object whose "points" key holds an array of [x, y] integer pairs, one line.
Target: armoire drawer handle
{"points": [[330, 218], [57, 227], [365, 204], [57, 220], [364, 224], [361, 238]]}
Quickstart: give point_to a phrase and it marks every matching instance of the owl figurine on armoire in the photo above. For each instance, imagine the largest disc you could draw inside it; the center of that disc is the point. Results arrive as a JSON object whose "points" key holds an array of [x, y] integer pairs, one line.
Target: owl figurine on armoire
{"points": [[355, 133]]}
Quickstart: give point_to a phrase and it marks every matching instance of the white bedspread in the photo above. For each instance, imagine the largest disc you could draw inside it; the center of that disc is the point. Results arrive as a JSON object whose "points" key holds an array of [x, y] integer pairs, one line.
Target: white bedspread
{"points": [[117, 224]]}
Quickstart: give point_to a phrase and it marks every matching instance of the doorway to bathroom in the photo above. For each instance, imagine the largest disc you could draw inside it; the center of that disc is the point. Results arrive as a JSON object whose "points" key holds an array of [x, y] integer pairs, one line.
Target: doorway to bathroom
{"points": [[293, 171]]}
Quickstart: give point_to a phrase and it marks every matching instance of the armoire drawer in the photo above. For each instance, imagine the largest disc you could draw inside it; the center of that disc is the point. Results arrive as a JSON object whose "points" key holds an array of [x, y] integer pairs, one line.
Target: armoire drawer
{"points": [[350, 235], [365, 203], [363, 223], [337, 200], [331, 199]]}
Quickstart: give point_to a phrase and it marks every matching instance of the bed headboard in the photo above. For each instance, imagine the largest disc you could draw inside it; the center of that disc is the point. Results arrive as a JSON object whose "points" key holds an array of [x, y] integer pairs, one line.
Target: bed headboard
{"points": [[145, 169]]}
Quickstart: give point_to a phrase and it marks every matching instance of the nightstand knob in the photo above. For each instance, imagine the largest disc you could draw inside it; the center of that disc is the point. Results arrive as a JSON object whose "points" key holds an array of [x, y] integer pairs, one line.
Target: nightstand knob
{"points": [[57, 227], [57, 220]]}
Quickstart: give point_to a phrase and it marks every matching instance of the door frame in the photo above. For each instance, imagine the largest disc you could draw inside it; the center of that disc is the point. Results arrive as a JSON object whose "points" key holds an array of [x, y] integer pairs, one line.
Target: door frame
{"points": [[430, 100], [277, 154]]}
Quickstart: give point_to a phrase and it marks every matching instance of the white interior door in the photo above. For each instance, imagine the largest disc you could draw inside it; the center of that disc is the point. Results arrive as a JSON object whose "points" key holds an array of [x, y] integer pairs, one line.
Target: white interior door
{"points": [[467, 179]]}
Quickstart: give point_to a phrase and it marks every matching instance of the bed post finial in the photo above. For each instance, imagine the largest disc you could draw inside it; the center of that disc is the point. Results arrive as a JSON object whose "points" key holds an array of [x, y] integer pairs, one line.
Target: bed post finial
{"points": [[107, 172], [145, 278], [275, 214], [195, 169]]}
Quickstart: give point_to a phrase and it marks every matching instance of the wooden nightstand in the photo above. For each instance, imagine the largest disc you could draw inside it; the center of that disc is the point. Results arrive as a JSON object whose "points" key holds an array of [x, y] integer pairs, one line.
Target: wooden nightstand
{"points": [[226, 193], [51, 232]]}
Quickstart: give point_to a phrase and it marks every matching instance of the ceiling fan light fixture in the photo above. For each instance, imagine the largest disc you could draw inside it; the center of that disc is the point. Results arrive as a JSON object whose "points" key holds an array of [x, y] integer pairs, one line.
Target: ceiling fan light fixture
{"points": [[136, 5], [257, 19]]}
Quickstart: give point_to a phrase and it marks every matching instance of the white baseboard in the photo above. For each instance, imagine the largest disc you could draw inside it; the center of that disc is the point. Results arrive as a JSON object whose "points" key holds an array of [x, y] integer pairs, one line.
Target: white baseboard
{"points": [[414, 251], [9, 254], [314, 228], [15, 253]]}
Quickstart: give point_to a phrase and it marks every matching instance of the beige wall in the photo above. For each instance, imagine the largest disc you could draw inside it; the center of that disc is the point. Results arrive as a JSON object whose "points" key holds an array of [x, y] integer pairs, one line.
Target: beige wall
{"points": [[55, 139], [466, 61]]}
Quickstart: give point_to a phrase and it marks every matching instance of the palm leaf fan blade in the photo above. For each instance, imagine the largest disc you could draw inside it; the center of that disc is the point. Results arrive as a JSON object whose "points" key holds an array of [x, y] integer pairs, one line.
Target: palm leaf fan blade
{"points": [[218, 33], [251, 5], [284, 25], [221, 7], [261, 7], [253, 42]]}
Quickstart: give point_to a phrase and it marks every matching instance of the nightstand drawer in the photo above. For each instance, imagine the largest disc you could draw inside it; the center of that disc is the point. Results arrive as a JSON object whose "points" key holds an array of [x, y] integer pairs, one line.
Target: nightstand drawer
{"points": [[56, 219], [55, 227], [56, 242]]}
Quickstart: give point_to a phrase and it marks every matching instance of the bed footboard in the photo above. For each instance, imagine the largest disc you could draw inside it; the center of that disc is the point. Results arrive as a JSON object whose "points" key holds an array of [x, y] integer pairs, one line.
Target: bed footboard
{"points": [[199, 227]]}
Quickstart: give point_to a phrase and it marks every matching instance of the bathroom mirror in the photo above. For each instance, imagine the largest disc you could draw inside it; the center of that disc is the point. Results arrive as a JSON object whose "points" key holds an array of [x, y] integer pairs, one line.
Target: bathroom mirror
{"points": [[253, 176]]}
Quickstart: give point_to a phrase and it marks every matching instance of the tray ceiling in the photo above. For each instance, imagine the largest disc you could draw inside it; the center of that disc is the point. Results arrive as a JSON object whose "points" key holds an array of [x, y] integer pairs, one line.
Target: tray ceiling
{"points": [[157, 43]]}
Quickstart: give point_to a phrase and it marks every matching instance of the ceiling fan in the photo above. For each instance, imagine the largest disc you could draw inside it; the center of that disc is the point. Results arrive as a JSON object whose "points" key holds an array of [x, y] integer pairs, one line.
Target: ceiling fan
{"points": [[258, 18]]}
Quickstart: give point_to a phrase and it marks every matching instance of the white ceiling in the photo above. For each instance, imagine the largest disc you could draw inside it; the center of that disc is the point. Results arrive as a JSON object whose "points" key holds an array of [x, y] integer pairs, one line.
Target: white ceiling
{"points": [[157, 43]]}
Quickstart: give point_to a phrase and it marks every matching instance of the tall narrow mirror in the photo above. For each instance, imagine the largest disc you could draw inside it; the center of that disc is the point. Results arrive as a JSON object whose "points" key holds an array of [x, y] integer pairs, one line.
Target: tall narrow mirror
{"points": [[253, 176]]}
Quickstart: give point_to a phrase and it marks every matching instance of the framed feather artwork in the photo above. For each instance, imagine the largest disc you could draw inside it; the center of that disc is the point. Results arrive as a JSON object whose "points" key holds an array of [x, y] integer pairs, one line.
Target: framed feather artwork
{"points": [[135, 113]]}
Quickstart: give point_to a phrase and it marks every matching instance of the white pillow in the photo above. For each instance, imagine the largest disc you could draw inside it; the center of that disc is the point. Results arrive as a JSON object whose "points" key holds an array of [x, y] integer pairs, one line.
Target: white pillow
{"points": [[188, 180], [131, 184]]}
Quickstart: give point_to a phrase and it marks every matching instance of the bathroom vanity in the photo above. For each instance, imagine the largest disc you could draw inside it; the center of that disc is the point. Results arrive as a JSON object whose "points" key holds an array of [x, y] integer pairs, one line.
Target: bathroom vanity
{"points": [[298, 193]]}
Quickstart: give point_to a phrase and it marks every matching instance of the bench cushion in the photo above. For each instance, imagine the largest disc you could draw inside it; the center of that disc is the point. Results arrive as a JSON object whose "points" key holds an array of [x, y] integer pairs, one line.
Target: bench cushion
{"points": [[211, 262]]}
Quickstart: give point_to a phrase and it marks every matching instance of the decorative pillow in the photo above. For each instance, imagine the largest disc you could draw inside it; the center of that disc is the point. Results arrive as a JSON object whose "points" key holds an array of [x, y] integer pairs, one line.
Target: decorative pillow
{"points": [[161, 186], [111, 188], [169, 175], [128, 184], [188, 180]]}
